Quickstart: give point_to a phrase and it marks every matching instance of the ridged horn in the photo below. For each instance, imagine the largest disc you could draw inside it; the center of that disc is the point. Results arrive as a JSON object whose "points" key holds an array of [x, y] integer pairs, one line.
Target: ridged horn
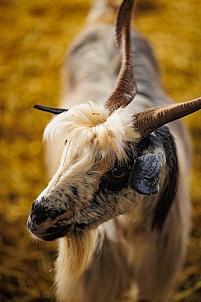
{"points": [[125, 88], [151, 119], [49, 109]]}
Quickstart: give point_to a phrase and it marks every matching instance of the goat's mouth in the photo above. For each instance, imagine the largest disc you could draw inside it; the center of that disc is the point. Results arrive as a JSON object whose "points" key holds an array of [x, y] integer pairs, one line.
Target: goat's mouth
{"points": [[48, 231], [54, 231]]}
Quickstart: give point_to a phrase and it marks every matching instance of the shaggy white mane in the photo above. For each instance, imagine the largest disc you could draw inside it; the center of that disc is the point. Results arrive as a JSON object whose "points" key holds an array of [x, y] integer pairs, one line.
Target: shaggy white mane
{"points": [[89, 128]]}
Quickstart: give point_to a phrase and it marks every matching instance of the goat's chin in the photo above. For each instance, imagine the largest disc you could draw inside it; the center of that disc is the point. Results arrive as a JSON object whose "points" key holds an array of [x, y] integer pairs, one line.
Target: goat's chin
{"points": [[42, 232], [67, 232], [54, 232], [49, 237], [52, 235]]}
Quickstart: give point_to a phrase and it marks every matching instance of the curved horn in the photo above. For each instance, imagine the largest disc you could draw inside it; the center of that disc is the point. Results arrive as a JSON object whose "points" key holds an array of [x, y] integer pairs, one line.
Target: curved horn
{"points": [[49, 109], [151, 119], [125, 88]]}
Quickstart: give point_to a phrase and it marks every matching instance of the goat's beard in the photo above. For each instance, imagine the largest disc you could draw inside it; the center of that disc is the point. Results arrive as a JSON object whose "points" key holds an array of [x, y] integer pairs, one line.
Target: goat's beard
{"points": [[74, 258]]}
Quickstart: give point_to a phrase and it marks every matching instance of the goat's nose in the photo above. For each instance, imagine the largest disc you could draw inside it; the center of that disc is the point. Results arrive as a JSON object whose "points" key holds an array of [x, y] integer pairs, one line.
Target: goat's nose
{"points": [[44, 209], [39, 213]]}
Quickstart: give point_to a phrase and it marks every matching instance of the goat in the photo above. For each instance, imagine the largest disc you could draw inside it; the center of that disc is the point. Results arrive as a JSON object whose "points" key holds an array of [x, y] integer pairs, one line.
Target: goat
{"points": [[118, 200]]}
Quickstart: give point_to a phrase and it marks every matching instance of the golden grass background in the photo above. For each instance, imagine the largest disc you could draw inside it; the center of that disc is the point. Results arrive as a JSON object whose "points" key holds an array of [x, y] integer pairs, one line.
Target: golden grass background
{"points": [[34, 36]]}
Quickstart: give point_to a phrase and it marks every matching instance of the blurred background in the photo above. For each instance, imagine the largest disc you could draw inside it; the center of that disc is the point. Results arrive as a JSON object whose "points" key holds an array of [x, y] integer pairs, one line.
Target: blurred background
{"points": [[34, 36]]}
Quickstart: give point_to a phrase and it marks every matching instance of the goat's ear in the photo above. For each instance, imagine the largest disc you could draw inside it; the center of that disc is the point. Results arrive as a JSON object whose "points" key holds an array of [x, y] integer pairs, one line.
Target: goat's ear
{"points": [[145, 174]]}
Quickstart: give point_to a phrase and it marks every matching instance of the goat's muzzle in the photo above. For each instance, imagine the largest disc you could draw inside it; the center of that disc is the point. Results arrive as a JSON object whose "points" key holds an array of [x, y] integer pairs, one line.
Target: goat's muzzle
{"points": [[47, 223]]}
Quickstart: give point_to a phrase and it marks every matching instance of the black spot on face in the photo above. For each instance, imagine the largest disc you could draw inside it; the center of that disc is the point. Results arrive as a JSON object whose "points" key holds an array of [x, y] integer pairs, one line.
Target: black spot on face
{"points": [[110, 182], [117, 178], [74, 190]]}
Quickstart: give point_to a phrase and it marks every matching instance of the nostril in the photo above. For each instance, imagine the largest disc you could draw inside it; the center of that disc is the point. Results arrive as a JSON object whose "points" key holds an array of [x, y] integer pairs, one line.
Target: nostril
{"points": [[39, 213]]}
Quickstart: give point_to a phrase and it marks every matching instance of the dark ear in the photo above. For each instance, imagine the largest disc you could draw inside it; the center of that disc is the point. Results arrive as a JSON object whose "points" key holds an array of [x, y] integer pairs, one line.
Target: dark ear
{"points": [[145, 174]]}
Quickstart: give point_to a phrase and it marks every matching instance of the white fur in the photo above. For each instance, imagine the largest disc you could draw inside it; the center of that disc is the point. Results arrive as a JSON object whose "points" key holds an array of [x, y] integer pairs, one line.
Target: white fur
{"points": [[90, 127]]}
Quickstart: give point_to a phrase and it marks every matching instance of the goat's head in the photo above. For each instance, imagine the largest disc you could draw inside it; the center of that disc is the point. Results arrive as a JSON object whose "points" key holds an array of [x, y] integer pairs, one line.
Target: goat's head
{"points": [[101, 170]]}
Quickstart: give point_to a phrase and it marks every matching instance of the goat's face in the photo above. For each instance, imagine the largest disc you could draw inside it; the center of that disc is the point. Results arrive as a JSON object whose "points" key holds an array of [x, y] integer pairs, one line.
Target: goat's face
{"points": [[102, 169], [91, 184]]}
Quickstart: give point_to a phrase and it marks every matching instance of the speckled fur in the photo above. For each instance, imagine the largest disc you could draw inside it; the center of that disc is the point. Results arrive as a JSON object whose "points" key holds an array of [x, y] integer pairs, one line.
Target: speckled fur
{"points": [[110, 245]]}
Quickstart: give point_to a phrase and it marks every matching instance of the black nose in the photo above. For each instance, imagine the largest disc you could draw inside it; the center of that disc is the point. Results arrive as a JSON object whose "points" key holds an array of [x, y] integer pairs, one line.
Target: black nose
{"points": [[43, 210], [39, 213]]}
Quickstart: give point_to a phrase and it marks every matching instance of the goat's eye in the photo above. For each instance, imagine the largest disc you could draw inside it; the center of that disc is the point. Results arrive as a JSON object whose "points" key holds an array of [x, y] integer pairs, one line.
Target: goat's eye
{"points": [[65, 142], [118, 173], [115, 179]]}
